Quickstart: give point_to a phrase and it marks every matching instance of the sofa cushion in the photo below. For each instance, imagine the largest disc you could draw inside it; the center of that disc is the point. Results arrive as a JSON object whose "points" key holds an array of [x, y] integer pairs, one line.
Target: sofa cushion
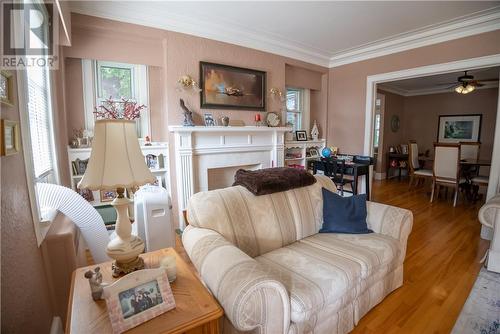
{"points": [[329, 269], [260, 224], [344, 214]]}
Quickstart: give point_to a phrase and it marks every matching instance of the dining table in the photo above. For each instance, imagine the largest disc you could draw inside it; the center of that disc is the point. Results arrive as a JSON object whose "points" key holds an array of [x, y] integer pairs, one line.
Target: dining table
{"points": [[468, 169]]}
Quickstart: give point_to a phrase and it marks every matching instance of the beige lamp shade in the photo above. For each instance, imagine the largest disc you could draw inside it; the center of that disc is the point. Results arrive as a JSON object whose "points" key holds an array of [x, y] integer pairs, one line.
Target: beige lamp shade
{"points": [[116, 160]]}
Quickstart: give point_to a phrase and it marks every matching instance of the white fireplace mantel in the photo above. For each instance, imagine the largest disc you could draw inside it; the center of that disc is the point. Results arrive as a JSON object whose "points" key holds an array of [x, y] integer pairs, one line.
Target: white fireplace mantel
{"points": [[204, 154]]}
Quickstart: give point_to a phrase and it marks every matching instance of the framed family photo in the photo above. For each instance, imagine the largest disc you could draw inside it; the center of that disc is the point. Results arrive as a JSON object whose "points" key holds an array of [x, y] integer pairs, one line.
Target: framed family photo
{"points": [[457, 128], [230, 87], [138, 297], [9, 141]]}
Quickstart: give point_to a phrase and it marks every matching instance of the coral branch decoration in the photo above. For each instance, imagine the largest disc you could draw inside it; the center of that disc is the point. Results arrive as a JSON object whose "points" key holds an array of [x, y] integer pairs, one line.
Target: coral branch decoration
{"points": [[110, 109]]}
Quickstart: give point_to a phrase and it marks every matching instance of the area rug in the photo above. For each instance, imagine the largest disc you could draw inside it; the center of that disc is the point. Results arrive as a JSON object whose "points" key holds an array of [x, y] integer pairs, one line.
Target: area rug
{"points": [[481, 312]]}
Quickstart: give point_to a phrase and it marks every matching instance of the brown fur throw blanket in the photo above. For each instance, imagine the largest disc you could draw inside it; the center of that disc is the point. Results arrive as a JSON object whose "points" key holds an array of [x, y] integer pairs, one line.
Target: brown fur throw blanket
{"points": [[272, 180]]}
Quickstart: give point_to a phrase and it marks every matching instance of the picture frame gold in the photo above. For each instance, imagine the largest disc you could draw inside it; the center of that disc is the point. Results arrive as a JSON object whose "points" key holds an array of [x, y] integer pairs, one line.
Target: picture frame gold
{"points": [[10, 143], [6, 88]]}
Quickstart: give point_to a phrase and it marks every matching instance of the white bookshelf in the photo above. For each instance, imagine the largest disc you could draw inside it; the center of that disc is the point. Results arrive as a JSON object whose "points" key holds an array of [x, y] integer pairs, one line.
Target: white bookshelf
{"points": [[296, 152], [160, 150]]}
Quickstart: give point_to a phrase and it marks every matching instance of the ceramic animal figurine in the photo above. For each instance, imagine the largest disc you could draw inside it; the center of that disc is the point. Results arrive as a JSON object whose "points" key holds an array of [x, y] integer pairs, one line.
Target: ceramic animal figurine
{"points": [[95, 282], [188, 114], [225, 121]]}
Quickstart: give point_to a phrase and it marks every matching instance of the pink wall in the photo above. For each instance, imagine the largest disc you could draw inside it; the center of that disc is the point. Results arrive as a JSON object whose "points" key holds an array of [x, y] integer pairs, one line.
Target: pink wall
{"points": [[347, 84], [422, 114], [26, 306]]}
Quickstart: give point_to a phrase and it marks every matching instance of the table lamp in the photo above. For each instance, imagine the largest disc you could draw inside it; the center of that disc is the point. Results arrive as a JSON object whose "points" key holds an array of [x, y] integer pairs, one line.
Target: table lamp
{"points": [[116, 163]]}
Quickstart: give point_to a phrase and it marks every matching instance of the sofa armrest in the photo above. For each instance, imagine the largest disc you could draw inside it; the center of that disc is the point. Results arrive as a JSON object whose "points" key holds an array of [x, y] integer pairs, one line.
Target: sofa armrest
{"points": [[391, 221], [251, 298]]}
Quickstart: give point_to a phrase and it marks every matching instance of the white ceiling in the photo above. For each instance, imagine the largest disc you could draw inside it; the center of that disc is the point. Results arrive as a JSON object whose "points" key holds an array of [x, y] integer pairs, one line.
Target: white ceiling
{"points": [[326, 33], [439, 83]]}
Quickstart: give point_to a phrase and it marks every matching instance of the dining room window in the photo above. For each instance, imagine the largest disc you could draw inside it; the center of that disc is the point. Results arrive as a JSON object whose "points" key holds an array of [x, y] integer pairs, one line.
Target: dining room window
{"points": [[294, 108]]}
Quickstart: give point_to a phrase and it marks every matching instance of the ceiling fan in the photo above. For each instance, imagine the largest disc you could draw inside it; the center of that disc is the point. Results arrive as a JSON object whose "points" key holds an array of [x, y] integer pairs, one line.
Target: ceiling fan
{"points": [[466, 84]]}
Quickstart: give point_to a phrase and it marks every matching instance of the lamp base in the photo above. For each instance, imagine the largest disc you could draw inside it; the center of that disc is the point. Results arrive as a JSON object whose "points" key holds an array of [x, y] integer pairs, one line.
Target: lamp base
{"points": [[119, 268]]}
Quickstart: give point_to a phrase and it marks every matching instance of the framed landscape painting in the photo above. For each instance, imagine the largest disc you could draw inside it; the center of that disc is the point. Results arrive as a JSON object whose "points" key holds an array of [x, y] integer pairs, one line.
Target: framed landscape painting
{"points": [[457, 128], [229, 87]]}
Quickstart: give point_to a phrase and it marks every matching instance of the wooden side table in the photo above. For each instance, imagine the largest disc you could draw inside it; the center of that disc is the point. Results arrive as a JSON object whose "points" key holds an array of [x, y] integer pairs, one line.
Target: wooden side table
{"points": [[196, 309]]}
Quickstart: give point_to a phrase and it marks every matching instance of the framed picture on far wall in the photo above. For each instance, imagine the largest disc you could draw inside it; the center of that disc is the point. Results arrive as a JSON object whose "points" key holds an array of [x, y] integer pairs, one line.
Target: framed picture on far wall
{"points": [[457, 128], [229, 87], [137, 298]]}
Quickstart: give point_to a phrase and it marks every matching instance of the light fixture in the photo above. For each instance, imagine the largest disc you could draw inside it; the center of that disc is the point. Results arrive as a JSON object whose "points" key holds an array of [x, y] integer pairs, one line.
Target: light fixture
{"points": [[116, 163], [465, 88]]}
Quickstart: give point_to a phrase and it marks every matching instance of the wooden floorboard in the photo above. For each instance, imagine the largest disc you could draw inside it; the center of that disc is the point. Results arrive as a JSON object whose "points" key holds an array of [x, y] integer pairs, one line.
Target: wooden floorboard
{"points": [[441, 265]]}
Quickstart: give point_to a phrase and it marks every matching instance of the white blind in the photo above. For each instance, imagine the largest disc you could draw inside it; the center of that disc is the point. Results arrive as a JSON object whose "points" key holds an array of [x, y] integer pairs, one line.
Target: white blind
{"points": [[39, 119]]}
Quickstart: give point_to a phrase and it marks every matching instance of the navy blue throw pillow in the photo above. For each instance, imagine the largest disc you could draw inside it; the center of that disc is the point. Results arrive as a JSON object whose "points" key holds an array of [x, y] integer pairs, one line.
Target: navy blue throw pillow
{"points": [[344, 214]]}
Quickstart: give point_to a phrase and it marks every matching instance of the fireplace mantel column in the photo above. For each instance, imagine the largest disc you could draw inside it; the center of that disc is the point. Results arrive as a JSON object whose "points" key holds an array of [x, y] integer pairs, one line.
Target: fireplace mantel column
{"points": [[184, 170]]}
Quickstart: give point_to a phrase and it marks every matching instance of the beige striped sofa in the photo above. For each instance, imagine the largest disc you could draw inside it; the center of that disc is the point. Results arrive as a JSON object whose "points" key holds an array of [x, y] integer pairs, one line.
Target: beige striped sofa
{"points": [[265, 262]]}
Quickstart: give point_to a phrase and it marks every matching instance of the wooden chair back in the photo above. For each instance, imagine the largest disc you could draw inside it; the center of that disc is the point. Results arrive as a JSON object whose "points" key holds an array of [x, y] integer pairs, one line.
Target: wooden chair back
{"points": [[446, 162], [469, 150], [413, 163]]}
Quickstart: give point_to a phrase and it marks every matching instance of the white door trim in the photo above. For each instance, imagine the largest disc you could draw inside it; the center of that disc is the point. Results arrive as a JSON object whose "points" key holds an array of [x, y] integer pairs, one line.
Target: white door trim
{"points": [[455, 66]]}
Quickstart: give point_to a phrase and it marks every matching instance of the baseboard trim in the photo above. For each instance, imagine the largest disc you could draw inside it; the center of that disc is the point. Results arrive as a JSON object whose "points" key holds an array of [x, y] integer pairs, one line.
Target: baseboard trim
{"points": [[380, 176], [56, 327]]}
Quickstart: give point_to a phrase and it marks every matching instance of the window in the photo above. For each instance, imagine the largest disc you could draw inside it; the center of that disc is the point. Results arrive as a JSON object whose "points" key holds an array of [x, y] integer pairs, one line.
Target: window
{"points": [[40, 124], [103, 80], [37, 131], [294, 108], [376, 137]]}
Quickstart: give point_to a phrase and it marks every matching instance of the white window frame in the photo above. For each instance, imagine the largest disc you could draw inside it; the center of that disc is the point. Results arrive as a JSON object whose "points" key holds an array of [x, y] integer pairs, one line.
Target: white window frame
{"points": [[91, 91], [41, 219], [303, 109]]}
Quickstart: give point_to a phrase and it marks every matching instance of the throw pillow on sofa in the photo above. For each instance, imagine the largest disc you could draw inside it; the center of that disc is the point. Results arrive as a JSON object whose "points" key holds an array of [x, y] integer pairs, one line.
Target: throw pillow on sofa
{"points": [[344, 214]]}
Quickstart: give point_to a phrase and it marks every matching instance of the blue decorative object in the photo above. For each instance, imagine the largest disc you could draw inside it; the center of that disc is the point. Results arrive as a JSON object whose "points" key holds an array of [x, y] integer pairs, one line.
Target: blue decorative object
{"points": [[326, 152], [344, 214]]}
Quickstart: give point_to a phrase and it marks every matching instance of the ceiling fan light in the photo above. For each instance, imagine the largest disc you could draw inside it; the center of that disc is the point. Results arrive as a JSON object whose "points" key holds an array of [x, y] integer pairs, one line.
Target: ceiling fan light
{"points": [[470, 88], [459, 89]]}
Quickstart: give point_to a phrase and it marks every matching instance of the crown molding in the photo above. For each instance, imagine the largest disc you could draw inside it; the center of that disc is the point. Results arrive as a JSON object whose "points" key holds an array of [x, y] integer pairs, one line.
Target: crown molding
{"points": [[242, 36], [427, 91], [472, 24], [469, 25]]}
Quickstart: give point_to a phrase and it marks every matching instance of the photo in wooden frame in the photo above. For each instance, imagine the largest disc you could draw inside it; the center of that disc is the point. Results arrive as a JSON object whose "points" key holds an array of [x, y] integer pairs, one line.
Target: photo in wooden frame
{"points": [[6, 88], [10, 142], [138, 297]]}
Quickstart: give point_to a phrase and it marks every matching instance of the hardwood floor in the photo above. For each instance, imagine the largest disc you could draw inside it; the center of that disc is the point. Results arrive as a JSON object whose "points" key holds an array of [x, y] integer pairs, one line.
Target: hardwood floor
{"points": [[442, 263]]}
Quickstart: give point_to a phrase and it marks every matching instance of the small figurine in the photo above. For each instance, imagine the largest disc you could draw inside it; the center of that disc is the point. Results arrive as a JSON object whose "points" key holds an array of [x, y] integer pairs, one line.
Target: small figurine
{"points": [[95, 282], [188, 114], [315, 131], [148, 141], [225, 121]]}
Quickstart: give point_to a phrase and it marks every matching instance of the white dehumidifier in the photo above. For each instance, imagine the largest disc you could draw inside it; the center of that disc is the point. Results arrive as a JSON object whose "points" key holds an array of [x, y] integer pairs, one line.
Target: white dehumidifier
{"points": [[153, 216]]}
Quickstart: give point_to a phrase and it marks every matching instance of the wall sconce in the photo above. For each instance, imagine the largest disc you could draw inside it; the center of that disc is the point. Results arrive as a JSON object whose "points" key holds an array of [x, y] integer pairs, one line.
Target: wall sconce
{"points": [[276, 92], [187, 83]]}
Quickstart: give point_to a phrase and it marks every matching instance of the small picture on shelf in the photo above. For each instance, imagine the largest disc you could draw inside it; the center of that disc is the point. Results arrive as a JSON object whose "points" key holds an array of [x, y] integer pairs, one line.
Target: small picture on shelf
{"points": [[79, 166], [209, 119], [404, 148], [152, 161], [87, 194], [107, 195], [313, 152], [301, 135]]}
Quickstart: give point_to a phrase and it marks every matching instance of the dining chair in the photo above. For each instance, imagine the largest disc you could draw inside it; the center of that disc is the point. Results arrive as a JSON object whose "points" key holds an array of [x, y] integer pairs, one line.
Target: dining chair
{"points": [[446, 170], [469, 150], [334, 169], [416, 173]]}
